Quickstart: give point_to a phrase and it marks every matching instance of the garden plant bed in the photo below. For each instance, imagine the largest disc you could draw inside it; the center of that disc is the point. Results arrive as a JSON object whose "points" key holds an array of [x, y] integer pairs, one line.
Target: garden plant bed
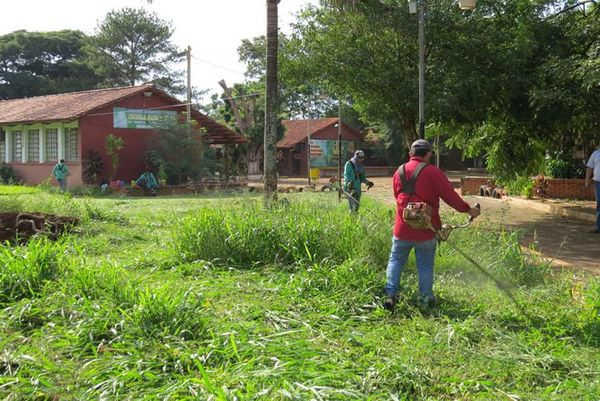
{"points": [[22, 226]]}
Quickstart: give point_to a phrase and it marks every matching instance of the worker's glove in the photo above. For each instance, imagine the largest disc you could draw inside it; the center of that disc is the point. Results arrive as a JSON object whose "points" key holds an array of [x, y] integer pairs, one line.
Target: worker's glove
{"points": [[370, 184]]}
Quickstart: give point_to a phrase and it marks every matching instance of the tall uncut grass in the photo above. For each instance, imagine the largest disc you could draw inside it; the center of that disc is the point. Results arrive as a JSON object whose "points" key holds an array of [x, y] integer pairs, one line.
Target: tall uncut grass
{"points": [[301, 231], [24, 270]]}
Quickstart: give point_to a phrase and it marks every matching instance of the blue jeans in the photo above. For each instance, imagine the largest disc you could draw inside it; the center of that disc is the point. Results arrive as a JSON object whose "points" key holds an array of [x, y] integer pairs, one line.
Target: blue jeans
{"points": [[354, 204], [425, 255], [597, 188]]}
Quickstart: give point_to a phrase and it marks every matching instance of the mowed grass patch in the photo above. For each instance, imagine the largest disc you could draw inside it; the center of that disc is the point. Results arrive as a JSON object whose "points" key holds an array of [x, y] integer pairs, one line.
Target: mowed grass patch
{"points": [[18, 190], [306, 324]]}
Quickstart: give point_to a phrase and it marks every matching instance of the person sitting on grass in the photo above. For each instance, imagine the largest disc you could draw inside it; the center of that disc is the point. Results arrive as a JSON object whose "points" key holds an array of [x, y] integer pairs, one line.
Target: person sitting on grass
{"points": [[148, 183]]}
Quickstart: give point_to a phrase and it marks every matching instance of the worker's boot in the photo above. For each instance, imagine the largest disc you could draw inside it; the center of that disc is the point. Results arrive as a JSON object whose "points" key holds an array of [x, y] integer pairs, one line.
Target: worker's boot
{"points": [[389, 303], [426, 301]]}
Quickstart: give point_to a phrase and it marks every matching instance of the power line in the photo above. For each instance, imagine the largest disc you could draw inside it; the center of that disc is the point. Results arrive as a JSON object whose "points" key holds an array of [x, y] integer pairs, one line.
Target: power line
{"points": [[243, 96], [218, 66]]}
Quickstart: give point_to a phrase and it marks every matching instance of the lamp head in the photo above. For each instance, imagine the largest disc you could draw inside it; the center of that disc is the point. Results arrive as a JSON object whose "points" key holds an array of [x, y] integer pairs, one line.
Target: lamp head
{"points": [[467, 4]]}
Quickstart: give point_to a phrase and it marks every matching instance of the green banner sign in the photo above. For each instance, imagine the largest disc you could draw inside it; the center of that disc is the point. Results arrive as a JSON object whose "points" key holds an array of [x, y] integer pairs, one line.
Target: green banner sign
{"points": [[142, 118], [324, 153]]}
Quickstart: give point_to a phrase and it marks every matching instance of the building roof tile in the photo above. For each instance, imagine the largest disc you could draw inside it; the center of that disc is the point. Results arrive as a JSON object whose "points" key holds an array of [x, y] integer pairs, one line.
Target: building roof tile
{"points": [[71, 106], [296, 130]]}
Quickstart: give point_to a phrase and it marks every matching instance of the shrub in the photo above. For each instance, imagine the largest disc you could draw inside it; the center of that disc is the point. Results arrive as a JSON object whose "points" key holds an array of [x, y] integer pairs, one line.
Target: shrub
{"points": [[8, 174], [92, 167], [561, 165], [523, 185]]}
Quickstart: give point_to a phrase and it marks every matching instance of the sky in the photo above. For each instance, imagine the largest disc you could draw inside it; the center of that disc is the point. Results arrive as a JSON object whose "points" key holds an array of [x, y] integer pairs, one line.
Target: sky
{"points": [[213, 28]]}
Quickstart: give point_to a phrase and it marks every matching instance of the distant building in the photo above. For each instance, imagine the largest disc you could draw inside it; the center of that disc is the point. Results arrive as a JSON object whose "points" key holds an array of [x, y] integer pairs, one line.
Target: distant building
{"points": [[292, 149], [37, 132]]}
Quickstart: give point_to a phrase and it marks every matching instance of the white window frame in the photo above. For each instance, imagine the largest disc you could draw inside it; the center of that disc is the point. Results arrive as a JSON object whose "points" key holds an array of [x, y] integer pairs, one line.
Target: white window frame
{"points": [[12, 145], [33, 133], [46, 133]]}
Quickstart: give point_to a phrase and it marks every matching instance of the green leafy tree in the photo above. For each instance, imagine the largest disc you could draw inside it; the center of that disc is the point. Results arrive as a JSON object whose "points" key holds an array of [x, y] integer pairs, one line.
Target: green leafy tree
{"points": [[242, 109], [42, 63], [484, 71], [363, 54], [133, 46], [566, 98], [114, 144], [183, 151]]}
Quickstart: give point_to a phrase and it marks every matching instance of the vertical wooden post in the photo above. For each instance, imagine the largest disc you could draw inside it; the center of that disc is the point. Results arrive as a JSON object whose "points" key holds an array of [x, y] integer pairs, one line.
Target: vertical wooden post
{"points": [[227, 163], [270, 166]]}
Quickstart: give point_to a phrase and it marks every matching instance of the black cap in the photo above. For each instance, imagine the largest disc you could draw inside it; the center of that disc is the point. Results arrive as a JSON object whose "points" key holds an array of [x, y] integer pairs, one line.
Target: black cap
{"points": [[420, 144]]}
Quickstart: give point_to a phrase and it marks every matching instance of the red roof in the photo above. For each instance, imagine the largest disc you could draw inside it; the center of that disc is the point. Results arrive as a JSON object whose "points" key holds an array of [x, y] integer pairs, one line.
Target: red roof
{"points": [[71, 106], [296, 130]]}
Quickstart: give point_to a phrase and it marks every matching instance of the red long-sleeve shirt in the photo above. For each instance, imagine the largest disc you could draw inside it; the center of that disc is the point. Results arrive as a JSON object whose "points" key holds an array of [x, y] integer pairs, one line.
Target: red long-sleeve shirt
{"points": [[432, 184]]}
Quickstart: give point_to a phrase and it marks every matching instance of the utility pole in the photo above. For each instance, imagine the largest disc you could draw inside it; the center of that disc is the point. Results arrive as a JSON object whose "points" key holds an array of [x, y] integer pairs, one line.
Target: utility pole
{"points": [[422, 9], [308, 148], [437, 150], [189, 84], [339, 149]]}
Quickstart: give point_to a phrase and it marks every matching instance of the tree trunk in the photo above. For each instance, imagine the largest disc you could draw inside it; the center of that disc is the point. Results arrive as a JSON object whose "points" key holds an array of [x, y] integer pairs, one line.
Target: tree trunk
{"points": [[409, 131], [253, 160], [270, 169]]}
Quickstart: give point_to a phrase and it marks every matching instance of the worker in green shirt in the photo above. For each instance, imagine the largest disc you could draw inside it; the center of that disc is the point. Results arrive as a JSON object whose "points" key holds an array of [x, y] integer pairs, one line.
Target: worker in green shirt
{"points": [[354, 176], [60, 172], [148, 183]]}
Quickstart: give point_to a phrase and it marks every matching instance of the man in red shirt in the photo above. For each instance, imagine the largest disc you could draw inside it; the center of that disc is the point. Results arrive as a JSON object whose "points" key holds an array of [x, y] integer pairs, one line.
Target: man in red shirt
{"points": [[431, 185]]}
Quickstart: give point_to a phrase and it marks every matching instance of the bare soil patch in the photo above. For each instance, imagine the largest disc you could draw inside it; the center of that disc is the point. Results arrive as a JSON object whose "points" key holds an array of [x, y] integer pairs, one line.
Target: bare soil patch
{"points": [[22, 226]]}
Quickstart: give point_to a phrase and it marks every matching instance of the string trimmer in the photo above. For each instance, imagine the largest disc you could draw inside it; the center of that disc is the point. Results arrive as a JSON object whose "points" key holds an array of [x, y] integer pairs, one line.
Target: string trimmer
{"points": [[442, 236]]}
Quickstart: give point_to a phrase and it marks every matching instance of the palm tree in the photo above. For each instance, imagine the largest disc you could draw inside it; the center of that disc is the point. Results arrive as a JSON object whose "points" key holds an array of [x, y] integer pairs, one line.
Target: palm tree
{"points": [[270, 168]]}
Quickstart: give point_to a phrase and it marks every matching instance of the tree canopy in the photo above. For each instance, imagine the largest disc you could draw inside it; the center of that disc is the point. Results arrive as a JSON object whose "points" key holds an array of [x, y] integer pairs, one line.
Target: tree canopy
{"points": [[41, 63], [133, 46], [510, 80]]}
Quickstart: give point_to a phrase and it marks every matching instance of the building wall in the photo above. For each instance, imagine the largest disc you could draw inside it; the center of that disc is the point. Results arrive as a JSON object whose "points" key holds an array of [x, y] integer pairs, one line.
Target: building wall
{"points": [[96, 126], [38, 173], [470, 185], [39, 169], [556, 188], [569, 189]]}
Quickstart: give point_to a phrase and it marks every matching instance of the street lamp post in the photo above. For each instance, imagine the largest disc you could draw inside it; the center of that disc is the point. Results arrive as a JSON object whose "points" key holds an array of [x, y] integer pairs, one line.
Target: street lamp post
{"points": [[422, 9]]}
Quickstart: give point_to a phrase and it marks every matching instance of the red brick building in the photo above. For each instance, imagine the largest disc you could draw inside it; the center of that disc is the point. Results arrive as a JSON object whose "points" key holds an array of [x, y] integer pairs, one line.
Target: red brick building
{"points": [[37, 132], [292, 149]]}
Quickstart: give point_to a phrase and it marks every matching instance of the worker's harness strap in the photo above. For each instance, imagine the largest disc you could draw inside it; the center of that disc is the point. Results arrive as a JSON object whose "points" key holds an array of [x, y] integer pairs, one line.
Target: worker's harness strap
{"points": [[415, 214]]}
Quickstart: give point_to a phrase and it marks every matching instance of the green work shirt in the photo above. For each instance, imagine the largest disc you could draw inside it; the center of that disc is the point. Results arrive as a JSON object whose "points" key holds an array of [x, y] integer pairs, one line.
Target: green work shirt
{"points": [[60, 171], [354, 175], [148, 177]]}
